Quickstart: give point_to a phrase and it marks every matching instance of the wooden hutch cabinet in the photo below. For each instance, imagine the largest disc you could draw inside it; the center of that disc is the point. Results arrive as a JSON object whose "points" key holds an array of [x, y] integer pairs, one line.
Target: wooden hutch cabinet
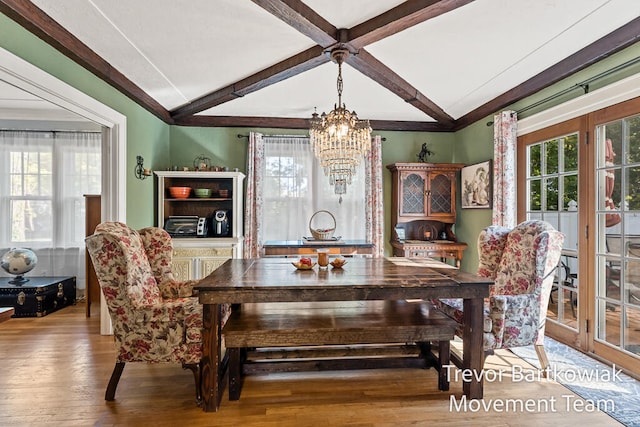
{"points": [[195, 257], [423, 198]]}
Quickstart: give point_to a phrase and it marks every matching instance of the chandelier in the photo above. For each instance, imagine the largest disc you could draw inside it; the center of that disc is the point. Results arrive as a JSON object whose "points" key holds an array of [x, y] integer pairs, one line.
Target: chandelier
{"points": [[339, 140]]}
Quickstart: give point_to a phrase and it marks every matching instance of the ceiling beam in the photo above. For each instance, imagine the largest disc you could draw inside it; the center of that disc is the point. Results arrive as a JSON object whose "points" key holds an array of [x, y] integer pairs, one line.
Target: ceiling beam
{"points": [[290, 67], [243, 121], [304, 19], [400, 18], [297, 123], [368, 65], [613, 42], [34, 20], [297, 14]]}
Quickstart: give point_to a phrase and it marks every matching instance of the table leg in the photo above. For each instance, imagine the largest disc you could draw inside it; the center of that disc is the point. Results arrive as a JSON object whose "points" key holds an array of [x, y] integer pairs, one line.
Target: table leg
{"points": [[211, 389], [473, 348]]}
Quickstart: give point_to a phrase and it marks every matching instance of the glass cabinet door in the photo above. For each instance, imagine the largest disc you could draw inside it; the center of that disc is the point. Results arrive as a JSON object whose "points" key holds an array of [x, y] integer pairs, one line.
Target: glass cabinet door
{"points": [[413, 195], [440, 194]]}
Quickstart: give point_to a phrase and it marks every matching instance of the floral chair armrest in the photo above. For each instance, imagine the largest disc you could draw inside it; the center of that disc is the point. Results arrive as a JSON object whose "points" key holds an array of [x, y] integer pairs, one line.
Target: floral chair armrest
{"points": [[515, 319], [171, 288], [175, 310]]}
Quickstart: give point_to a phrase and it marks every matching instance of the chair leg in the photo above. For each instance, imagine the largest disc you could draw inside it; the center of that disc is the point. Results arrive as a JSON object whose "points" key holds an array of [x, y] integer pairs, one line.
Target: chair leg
{"points": [[196, 368], [113, 382], [542, 357]]}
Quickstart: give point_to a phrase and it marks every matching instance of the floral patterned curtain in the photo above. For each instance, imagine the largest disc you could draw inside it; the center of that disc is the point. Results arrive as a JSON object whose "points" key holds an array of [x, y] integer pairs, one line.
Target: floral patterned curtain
{"points": [[374, 205], [505, 127], [254, 200]]}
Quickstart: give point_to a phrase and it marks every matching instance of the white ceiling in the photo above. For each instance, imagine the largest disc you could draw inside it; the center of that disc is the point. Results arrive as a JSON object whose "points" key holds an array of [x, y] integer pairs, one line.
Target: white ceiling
{"points": [[178, 51], [17, 105]]}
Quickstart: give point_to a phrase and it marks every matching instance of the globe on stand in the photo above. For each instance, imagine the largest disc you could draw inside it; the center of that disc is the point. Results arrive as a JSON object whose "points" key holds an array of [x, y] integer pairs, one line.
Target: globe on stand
{"points": [[18, 261]]}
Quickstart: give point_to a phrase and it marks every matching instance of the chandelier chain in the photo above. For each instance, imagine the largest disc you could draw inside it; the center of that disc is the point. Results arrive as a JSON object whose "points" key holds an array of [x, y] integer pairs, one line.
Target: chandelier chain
{"points": [[340, 83]]}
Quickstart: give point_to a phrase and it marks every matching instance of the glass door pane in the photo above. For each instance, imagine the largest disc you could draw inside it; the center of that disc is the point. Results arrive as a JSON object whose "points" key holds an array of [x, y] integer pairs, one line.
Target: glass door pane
{"points": [[618, 234], [552, 196]]}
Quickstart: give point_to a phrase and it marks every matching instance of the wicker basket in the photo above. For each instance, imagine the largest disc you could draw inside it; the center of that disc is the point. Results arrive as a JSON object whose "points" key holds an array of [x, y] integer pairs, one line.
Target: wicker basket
{"points": [[322, 234]]}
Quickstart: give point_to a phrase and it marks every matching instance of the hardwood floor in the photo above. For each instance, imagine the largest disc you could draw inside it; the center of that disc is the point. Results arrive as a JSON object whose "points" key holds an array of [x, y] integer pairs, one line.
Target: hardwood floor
{"points": [[54, 371]]}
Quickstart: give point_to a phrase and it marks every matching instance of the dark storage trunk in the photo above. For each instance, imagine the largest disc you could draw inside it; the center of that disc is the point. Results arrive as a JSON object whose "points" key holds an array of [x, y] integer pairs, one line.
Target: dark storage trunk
{"points": [[38, 296]]}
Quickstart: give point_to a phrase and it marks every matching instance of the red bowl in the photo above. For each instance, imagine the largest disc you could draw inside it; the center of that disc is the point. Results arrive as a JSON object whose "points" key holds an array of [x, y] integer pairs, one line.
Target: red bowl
{"points": [[179, 192]]}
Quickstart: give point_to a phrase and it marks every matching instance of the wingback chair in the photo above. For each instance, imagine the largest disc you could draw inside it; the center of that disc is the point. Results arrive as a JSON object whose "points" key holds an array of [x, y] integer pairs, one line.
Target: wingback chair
{"points": [[155, 318], [523, 262]]}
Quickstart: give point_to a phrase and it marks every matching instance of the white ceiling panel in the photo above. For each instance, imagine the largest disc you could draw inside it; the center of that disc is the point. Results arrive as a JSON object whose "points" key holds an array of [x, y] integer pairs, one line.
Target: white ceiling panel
{"points": [[477, 52], [296, 97], [178, 51], [348, 14], [17, 104]]}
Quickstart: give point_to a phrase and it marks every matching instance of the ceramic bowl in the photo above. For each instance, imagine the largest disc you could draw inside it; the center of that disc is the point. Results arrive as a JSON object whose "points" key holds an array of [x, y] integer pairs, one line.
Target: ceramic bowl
{"points": [[202, 192], [179, 192]]}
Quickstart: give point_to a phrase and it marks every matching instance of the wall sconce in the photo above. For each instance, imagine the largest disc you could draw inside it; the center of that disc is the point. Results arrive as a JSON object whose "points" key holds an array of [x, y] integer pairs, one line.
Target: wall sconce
{"points": [[141, 172]]}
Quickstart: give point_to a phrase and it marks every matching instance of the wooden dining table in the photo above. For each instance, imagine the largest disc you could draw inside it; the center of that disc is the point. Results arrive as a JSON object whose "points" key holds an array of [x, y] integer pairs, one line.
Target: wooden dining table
{"points": [[240, 281]]}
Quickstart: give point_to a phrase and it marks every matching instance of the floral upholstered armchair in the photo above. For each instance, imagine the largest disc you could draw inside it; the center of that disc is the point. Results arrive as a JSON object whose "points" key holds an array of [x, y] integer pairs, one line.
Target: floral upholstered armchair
{"points": [[159, 248], [154, 317], [522, 261]]}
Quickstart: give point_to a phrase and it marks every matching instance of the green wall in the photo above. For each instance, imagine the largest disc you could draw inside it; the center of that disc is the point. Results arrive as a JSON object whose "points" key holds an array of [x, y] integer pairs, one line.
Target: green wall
{"points": [[474, 144], [147, 135]]}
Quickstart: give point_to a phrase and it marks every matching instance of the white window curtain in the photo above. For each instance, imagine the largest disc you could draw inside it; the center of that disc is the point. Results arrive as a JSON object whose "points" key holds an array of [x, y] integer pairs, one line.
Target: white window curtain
{"points": [[286, 186], [295, 187], [43, 179], [505, 138]]}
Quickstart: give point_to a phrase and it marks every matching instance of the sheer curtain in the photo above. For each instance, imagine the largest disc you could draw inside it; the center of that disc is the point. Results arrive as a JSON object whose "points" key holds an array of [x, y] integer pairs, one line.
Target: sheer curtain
{"points": [[295, 187], [286, 186], [43, 179]]}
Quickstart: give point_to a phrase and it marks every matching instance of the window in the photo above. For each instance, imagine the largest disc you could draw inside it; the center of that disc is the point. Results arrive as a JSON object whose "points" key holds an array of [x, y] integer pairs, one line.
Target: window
{"points": [[295, 188], [45, 177]]}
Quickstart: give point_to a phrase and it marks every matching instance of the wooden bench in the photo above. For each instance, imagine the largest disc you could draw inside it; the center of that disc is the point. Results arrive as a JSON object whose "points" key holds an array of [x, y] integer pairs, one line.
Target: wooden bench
{"points": [[316, 325]]}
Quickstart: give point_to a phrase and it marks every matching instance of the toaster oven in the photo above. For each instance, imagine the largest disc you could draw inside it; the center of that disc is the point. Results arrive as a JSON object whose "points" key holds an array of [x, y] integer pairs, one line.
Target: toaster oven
{"points": [[184, 226]]}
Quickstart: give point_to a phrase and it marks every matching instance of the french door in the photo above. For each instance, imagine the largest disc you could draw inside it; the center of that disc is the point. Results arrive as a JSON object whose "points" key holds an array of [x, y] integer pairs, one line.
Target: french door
{"points": [[616, 304], [550, 188], [583, 176]]}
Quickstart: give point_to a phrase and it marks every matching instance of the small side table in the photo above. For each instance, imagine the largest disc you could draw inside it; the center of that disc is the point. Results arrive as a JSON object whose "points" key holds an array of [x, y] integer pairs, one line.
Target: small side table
{"points": [[442, 249]]}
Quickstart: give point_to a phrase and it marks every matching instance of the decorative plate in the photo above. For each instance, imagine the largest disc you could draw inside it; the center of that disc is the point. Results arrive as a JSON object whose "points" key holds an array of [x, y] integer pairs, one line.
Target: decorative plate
{"points": [[301, 266]]}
